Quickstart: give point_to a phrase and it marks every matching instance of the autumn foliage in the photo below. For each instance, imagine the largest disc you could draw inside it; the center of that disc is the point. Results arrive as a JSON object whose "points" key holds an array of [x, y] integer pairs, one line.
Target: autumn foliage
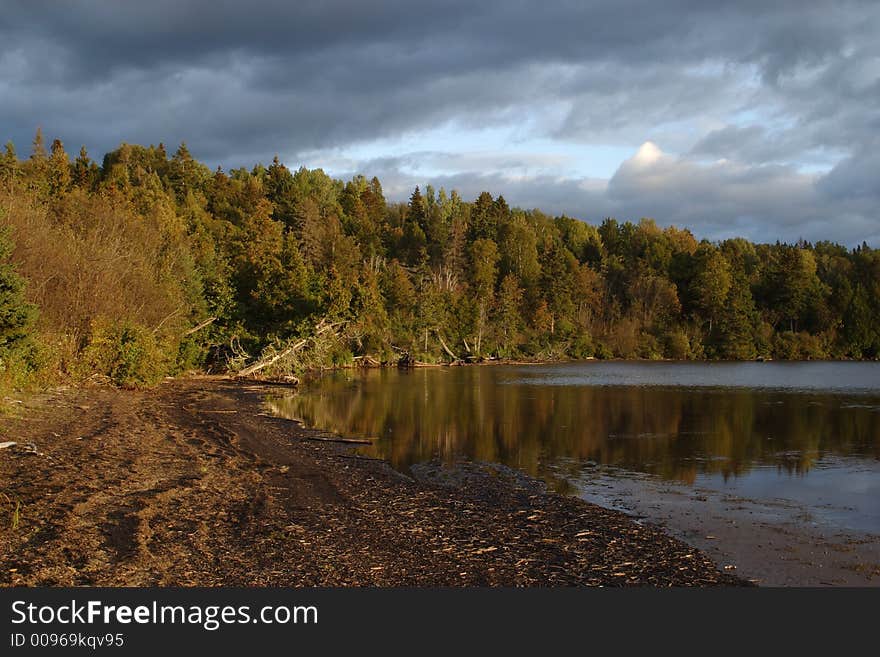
{"points": [[107, 267]]}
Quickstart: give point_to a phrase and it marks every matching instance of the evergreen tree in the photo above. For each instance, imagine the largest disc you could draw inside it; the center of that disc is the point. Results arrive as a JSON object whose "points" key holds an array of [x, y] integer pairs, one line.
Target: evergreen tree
{"points": [[483, 224], [8, 164], [59, 169], [38, 146], [509, 316], [83, 170], [414, 240], [279, 185], [860, 326], [738, 323]]}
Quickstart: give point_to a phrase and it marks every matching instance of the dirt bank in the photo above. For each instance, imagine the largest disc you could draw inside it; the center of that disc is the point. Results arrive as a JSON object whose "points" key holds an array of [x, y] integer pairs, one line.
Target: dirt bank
{"points": [[193, 484]]}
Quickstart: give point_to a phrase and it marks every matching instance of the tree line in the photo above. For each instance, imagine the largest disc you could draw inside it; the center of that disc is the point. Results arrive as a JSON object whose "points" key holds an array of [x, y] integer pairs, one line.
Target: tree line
{"points": [[148, 264]]}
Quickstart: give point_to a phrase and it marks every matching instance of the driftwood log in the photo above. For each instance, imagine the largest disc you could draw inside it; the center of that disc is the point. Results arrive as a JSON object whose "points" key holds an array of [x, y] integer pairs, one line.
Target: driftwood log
{"points": [[347, 441]]}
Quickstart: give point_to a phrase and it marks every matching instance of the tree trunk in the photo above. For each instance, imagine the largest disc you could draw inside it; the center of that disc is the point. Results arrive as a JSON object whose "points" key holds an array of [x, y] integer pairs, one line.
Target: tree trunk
{"points": [[480, 333], [445, 348]]}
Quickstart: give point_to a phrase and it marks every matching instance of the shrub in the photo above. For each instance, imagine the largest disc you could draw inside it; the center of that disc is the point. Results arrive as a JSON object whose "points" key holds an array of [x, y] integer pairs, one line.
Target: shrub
{"points": [[798, 346], [676, 345], [18, 352], [128, 354], [582, 346], [649, 347]]}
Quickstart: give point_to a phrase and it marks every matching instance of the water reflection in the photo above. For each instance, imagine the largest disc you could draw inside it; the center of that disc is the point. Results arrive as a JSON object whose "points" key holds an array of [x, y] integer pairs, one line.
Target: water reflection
{"points": [[526, 418]]}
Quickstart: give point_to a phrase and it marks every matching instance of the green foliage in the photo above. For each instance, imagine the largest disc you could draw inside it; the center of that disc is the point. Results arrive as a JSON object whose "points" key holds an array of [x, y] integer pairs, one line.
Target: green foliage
{"points": [[676, 345], [129, 355], [737, 325], [798, 346], [860, 325], [16, 314], [125, 258], [711, 283], [19, 354], [582, 347]]}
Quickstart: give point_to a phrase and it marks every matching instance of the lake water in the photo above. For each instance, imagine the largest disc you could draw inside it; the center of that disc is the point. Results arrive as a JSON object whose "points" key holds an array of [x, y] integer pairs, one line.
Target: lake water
{"points": [[808, 433]]}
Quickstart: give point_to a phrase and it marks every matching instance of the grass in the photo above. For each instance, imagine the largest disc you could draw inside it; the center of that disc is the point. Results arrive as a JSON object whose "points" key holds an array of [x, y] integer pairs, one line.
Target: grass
{"points": [[16, 513]]}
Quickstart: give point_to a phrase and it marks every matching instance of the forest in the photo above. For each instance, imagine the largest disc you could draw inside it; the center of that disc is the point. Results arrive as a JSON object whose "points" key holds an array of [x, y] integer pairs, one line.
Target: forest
{"points": [[145, 265]]}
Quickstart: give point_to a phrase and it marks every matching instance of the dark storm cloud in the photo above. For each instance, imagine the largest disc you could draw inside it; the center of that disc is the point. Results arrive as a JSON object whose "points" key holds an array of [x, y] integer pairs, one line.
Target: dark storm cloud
{"points": [[788, 85]]}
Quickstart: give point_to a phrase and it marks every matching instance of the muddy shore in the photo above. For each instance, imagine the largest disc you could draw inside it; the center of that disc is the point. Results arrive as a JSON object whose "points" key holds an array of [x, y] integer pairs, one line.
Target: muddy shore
{"points": [[771, 542], [194, 484]]}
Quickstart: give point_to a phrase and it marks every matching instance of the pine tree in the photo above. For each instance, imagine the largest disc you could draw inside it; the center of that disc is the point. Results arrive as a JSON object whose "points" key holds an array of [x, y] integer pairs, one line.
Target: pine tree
{"points": [[414, 239], [83, 169], [38, 149], [416, 210], [278, 184], [37, 166], [859, 325], [483, 224], [59, 169], [509, 317], [8, 164], [738, 323]]}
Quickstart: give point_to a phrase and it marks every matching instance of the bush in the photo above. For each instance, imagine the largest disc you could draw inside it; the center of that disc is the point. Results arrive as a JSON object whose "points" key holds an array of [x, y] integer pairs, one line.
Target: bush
{"points": [[582, 347], [798, 346], [16, 314], [90, 258], [190, 356], [676, 345], [624, 338], [649, 347], [18, 352], [128, 354]]}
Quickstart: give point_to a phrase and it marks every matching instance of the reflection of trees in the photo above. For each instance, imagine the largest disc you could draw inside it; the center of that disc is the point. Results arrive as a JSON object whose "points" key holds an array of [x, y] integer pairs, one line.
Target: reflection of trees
{"points": [[675, 433]]}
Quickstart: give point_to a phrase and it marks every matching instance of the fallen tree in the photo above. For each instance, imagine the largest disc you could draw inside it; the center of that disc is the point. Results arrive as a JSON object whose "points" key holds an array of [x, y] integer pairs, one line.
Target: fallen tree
{"points": [[455, 359], [272, 356]]}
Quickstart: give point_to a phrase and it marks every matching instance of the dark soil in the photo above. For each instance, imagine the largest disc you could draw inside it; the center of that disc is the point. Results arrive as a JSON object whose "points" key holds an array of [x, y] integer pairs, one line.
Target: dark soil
{"points": [[193, 484]]}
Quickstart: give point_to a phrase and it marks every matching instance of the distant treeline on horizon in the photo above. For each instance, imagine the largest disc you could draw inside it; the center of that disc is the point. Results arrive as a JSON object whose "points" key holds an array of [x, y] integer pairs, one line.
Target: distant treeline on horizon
{"points": [[106, 270]]}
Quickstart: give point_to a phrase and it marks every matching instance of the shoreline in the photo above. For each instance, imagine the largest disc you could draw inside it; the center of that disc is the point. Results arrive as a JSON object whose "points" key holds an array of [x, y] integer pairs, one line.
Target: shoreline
{"points": [[377, 365], [193, 484], [771, 542]]}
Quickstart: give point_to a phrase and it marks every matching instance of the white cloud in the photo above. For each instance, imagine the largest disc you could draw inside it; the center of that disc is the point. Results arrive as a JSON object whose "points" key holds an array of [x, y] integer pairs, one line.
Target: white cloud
{"points": [[717, 200]]}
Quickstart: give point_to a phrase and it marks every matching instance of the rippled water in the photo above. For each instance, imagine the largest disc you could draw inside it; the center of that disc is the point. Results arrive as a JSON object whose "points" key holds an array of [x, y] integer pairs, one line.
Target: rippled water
{"points": [[806, 432]]}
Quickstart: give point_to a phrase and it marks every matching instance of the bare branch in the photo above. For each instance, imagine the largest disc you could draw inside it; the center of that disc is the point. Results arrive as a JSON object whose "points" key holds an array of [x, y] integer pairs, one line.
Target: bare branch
{"points": [[207, 322]]}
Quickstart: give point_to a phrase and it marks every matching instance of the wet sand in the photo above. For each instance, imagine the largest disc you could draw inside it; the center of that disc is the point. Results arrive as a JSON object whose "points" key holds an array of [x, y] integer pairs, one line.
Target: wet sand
{"points": [[769, 542]]}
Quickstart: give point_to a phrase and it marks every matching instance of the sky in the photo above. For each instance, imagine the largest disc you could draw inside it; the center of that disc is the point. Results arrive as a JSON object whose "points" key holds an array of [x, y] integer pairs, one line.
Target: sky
{"points": [[755, 119]]}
